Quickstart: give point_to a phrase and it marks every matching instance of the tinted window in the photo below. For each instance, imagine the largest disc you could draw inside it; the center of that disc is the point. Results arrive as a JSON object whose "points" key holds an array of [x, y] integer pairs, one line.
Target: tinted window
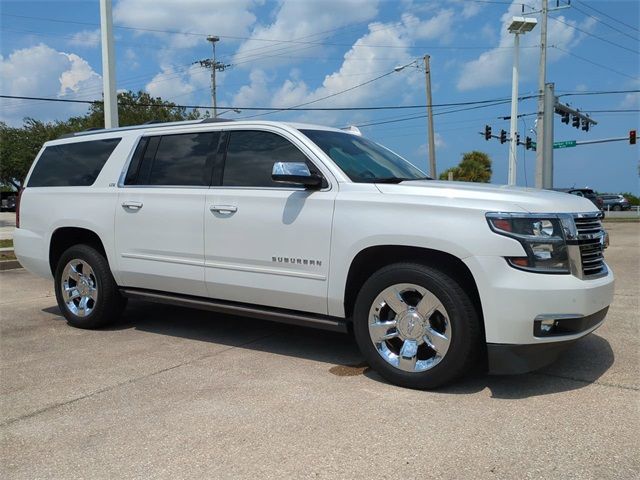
{"points": [[72, 164], [251, 155], [181, 160]]}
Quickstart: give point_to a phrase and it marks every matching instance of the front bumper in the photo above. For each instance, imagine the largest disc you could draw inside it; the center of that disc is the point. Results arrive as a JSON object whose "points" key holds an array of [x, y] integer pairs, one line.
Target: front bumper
{"points": [[509, 359]]}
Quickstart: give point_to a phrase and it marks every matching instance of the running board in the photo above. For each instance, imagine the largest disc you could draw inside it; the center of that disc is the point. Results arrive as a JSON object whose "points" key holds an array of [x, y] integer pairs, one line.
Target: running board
{"points": [[291, 317]]}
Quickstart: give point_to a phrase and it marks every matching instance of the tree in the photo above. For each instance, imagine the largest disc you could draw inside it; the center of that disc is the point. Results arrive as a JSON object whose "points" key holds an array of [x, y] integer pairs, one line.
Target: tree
{"points": [[19, 146], [474, 167]]}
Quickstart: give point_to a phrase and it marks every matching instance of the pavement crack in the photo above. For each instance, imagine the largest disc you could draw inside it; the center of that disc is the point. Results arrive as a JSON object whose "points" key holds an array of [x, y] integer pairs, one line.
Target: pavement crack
{"points": [[589, 382], [127, 382]]}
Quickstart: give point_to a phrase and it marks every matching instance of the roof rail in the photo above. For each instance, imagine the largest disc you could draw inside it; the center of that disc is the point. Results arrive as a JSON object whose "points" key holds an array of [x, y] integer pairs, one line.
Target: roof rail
{"points": [[146, 125]]}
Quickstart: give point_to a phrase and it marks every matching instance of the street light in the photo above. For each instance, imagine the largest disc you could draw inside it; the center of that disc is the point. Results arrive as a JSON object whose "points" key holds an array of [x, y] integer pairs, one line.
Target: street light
{"points": [[236, 110], [519, 25]]}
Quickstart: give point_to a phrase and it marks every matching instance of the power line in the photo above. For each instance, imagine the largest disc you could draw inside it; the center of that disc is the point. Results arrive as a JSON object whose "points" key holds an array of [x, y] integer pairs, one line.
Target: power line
{"points": [[605, 23], [608, 16], [594, 63], [595, 36]]}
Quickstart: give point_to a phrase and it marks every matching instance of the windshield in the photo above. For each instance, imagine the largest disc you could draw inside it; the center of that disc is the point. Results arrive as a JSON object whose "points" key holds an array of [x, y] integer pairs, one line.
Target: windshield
{"points": [[362, 160]]}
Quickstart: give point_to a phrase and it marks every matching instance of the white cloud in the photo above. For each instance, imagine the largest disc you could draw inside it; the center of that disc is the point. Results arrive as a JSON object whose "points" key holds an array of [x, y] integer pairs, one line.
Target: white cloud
{"points": [[86, 38], [222, 17], [493, 67], [302, 20], [41, 71], [179, 85]]}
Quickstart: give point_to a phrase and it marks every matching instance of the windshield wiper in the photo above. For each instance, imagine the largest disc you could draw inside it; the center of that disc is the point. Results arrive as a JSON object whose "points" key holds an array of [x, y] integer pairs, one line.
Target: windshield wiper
{"points": [[398, 179]]}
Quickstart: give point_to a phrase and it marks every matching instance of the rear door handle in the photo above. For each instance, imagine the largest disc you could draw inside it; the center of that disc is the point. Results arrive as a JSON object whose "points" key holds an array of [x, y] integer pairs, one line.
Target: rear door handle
{"points": [[224, 209], [132, 205]]}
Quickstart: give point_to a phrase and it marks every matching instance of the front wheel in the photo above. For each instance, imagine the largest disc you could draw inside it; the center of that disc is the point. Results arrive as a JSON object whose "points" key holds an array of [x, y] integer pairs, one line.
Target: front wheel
{"points": [[416, 326], [85, 289]]}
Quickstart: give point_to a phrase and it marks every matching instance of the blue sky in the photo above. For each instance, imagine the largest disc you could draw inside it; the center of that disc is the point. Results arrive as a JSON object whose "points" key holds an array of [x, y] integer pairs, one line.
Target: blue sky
{"points": [[285, 53]]}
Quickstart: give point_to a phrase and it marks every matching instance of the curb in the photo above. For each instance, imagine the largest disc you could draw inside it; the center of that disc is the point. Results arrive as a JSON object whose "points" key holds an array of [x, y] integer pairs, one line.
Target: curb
{"points": [[9, 265]]}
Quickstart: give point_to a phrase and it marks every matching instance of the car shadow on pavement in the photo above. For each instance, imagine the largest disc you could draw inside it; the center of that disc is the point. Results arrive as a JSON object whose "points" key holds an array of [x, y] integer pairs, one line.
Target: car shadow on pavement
{"points": [[582, 364]]}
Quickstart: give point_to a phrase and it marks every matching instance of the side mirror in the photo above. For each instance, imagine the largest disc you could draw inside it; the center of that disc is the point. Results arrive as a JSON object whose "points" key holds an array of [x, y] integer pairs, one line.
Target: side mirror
{"points": [[295, 172]]}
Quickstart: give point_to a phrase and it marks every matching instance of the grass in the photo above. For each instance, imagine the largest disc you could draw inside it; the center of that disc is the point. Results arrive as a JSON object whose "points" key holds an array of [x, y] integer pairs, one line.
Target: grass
{"points": [[7, 256], [622, 220], [6, 243]]}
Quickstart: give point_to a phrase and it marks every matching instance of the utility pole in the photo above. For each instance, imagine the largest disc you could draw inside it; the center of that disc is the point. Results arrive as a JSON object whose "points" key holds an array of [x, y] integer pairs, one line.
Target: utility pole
{"points": [[432, 142], [214, 66], [109, 93], [541, 139], [547, 147]]}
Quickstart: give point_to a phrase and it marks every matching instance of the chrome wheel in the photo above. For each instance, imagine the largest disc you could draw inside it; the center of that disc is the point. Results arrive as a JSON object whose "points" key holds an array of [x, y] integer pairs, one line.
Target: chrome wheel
{"points": [[409, 327], [79, 287]]}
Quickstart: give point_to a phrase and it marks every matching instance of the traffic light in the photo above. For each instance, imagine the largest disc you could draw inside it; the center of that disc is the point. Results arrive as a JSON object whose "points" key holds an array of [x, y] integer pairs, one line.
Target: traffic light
{"points": [[527, 143], [632, 137], [565, 117], [585, 124], [503, 136], [517, 139], [487, 132], [576, 121]]}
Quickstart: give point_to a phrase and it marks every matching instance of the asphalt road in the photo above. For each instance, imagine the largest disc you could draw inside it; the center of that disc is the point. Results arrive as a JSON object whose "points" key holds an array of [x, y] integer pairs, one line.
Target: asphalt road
{"points": [[176, 393]]}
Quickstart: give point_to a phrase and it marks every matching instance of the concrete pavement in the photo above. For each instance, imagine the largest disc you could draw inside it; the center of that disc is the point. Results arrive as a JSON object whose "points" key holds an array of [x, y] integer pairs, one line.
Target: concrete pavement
{"points": [[176, 393]]}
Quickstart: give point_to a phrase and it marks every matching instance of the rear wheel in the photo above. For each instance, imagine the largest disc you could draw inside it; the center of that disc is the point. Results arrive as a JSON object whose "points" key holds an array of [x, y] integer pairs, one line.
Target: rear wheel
{"points": [[86, 292], [616, 208], [416, 326]]}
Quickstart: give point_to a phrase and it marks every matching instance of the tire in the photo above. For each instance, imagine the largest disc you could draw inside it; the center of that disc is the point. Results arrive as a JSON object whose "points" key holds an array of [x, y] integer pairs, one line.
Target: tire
{"points": [[83, 275], [616, 208], [434, 340]]}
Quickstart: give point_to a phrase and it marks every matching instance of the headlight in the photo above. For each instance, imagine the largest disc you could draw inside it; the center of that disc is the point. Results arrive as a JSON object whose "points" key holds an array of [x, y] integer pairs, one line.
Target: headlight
{"points": [[542, 238]]}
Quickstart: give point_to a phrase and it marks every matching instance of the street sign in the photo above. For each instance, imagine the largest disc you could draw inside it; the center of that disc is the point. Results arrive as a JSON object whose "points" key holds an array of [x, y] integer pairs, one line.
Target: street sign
{"points": [[565, 144]]}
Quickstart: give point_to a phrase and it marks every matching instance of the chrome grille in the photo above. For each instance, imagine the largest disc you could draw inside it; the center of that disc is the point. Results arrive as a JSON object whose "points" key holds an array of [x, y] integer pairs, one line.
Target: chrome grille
{"points": [[591, 243]]}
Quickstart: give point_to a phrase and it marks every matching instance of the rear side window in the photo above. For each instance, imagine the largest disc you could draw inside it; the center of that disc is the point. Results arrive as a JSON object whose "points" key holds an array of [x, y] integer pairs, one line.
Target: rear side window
{"points": [[174, 160], [72, 164], [251, 155]]}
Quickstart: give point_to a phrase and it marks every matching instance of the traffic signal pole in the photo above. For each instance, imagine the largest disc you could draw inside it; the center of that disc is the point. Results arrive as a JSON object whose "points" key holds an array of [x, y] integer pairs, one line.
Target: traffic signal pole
{"points": [[108, 66], [547, 145], [541, 138]]}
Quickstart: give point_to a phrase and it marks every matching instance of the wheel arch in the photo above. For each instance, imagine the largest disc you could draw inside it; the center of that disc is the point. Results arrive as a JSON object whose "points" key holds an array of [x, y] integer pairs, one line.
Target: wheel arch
{"points": [[64, 237], [371, 259]]}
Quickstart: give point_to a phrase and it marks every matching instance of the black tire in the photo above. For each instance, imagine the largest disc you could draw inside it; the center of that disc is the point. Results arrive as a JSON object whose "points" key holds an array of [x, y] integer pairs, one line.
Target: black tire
{"points": [[108, 305], [616, 208], [464, 347]]}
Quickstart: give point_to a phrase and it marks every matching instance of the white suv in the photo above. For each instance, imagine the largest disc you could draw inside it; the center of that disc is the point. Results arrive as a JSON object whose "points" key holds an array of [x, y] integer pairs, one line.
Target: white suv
{"points": [[315, 226]]}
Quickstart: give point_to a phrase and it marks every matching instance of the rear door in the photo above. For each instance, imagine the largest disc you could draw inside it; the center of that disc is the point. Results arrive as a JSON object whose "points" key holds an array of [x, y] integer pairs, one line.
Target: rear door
{"points": [[267, 243], [159, 217]]}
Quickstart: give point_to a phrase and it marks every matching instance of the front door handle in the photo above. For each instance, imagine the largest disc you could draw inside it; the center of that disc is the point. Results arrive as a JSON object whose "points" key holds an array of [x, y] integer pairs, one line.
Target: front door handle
{"points": [[224, 209], [132, 205]]}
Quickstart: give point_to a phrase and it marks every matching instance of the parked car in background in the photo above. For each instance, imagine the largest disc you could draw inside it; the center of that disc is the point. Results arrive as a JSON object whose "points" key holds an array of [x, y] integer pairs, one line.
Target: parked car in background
{"points": [[586, 193], [616, 203], [8, 202]]}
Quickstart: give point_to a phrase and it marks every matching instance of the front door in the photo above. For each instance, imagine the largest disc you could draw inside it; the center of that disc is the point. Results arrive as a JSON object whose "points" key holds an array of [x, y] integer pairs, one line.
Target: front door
{"points": [[267, 243]]}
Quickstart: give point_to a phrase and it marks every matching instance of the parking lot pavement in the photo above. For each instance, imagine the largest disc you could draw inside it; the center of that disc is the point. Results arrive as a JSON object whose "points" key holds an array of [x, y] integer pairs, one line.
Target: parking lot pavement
{"points": [[7, 225], [176, 393]]}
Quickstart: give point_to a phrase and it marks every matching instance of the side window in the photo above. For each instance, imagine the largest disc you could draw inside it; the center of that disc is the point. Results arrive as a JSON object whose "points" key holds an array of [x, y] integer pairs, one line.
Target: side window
{"points": [[251, 155], [76, 164], [174, 160]]}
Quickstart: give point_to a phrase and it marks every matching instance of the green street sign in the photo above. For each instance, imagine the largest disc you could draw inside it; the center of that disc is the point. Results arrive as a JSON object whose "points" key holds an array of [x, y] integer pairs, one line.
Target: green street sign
{"points": [[565, 144]]}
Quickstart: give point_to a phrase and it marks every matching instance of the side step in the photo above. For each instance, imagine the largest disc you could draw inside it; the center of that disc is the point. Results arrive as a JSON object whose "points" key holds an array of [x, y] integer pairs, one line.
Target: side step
{"points": [[291, 317]]}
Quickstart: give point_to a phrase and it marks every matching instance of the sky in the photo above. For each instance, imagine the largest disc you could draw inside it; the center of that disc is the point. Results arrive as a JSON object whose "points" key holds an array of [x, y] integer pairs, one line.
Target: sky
{"points": [[343, 54]]}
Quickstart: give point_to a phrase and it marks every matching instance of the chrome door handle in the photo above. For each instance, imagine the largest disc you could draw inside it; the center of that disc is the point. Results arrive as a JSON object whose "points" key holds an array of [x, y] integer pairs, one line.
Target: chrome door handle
{"points": [[224, 209], [132, 205]]}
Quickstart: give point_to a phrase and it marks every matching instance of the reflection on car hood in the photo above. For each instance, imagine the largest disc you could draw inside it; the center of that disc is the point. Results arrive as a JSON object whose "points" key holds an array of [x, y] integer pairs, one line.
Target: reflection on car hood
{"points": [[528, 199]]}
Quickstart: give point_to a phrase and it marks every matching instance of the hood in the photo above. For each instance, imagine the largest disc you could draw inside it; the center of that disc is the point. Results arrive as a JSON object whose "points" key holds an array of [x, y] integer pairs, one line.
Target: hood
{"points": [[531, 200]]}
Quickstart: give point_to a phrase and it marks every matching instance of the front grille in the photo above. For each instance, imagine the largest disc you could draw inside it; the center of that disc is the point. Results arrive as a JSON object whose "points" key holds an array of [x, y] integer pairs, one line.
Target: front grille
{"points": [[591, 243]]}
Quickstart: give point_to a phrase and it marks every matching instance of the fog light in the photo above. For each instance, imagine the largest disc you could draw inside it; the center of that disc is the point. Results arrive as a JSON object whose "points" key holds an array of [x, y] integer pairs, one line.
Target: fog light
{"points": [[547, 325]]}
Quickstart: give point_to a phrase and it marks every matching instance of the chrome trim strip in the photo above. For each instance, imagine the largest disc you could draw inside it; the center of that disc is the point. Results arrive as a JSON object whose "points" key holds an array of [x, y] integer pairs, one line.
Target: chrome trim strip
{"points": [[158, 258], [269, 271]]}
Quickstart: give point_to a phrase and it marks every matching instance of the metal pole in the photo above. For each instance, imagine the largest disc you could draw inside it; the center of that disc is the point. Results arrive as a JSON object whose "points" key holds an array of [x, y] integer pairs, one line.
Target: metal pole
{"points": [[213, 80], [547, 147], [542, 80], [513, 150], [432, 142], [108, 66]]}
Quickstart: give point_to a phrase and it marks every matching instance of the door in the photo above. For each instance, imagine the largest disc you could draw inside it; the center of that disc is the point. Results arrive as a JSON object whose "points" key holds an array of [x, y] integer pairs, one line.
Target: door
{"points": [[267, 243], [159, 231]]}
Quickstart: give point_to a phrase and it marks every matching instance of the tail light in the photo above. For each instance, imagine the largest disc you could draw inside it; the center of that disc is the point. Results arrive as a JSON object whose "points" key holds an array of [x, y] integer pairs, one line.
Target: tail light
{"points": [[18, 207]]}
